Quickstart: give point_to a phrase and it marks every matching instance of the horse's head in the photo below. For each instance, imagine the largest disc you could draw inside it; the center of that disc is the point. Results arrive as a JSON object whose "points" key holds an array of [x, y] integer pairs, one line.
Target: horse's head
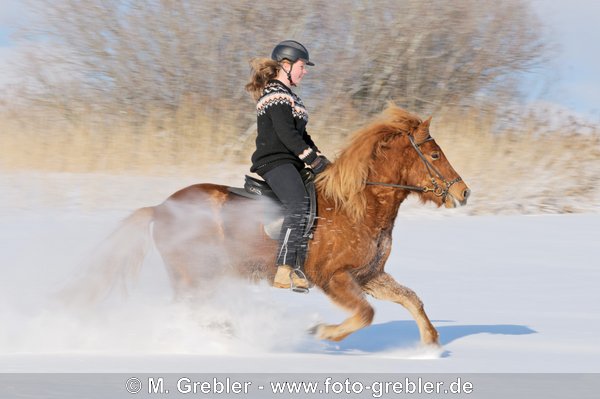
{"points": [[431, 172], [395, 151]]}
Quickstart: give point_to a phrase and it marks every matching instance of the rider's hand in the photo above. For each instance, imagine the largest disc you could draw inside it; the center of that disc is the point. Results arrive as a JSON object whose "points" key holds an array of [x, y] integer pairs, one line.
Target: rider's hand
{"points": [[320, 164]]}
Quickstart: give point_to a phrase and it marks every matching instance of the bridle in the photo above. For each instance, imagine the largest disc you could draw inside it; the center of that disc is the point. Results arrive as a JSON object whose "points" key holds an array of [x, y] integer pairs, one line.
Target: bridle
{"points": [[437, 190]]}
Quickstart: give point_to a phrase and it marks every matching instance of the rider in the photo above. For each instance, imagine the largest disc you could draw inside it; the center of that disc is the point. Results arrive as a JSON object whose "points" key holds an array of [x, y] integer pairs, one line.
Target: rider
{"points": [[283, 147]]}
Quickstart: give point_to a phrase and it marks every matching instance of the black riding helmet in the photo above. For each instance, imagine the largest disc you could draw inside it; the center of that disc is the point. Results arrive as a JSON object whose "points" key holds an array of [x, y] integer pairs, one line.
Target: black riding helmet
{"points": [[290, 50]]}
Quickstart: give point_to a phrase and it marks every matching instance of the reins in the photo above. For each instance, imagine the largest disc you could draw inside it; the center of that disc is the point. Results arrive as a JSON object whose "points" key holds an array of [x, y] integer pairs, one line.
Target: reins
{"points": [[437, 190], [411, 188]]}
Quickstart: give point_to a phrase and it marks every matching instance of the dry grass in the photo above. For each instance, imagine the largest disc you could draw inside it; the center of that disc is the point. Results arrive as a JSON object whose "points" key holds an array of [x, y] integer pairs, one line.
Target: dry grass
{"points": [[531, 169], [180, 146], [535, 168]]}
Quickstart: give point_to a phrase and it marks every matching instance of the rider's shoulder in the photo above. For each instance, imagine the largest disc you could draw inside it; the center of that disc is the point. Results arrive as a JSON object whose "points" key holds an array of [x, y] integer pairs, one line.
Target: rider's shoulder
{"points": [[275, 93], [276, 86]]}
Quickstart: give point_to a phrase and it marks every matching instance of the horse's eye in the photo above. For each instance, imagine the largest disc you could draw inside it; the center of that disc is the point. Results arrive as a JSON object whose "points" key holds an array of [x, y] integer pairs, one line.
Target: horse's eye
{"points": [[435, 155]]}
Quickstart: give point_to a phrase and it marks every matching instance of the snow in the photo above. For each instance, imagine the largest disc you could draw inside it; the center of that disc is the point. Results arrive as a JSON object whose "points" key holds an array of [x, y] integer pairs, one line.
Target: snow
{"points": [[506, 293]]}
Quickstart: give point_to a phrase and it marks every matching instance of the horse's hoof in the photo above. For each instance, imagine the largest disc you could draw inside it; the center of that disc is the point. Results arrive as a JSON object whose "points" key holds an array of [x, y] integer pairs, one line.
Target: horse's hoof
{"points": [[328, 332], [314, 330], [432, 339]]}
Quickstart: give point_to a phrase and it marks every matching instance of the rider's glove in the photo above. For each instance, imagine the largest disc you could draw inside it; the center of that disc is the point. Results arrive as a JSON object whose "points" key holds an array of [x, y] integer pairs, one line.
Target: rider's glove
{"points": [[319, 164]]}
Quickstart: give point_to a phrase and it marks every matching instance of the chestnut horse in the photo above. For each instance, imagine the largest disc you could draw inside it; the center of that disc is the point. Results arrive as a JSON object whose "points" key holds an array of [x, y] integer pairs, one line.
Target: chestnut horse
{"points": [[204, 231]]}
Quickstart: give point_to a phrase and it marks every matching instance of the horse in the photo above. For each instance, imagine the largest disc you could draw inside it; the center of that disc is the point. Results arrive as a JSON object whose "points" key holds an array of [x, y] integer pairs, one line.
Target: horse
{"points": [[205, 231]]}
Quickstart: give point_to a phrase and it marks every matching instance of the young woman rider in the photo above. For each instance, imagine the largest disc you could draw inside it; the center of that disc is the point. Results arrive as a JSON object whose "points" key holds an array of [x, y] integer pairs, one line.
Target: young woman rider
{"points": [[283, 148]]}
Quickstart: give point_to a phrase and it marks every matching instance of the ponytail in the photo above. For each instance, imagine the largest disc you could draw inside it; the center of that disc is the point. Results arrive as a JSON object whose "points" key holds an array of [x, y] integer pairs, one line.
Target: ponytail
{"points": [[263, 70]]}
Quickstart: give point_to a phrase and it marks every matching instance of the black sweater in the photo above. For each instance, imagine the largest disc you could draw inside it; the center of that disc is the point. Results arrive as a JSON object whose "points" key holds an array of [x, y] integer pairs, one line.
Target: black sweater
{"points": [[281, 125]]}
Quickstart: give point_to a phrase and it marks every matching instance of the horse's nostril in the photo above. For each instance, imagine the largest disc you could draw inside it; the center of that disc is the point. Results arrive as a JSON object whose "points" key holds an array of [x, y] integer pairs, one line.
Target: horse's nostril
{"points": [[466, 193]]}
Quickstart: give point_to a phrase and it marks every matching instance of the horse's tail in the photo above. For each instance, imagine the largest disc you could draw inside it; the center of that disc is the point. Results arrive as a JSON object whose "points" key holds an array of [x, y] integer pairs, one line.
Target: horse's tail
{"points": [[116, 260]]}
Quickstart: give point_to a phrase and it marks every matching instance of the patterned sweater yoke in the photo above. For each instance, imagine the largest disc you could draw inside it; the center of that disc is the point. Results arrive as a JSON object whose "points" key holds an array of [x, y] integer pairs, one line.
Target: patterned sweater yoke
{"points": [[281, 126], [276, 93]]}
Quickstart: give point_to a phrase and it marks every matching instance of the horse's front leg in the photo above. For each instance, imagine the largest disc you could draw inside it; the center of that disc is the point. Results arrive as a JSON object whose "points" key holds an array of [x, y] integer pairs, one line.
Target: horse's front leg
{"points": [[345, 292], [383, 286]]}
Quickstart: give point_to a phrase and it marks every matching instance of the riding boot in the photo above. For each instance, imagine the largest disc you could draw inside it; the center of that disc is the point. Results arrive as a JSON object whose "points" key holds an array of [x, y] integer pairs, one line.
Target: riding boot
{"points": [[287, 276]]}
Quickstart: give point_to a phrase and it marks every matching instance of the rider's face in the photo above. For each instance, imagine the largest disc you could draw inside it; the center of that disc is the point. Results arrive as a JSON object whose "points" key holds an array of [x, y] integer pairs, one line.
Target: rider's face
{"points": [[298, 71]]}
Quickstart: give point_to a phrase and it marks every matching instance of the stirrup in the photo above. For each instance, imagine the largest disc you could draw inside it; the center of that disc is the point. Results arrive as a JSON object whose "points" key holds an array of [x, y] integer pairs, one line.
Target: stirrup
{"points": [[300, 274]]}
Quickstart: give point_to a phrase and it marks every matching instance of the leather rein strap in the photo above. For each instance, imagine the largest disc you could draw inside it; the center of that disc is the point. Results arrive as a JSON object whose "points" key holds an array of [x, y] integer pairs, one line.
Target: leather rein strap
{"points": [[436, 189]]}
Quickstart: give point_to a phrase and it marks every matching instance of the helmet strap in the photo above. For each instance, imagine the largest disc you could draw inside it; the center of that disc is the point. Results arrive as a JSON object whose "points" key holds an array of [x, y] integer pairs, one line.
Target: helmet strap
{"points": [[289, 75]]}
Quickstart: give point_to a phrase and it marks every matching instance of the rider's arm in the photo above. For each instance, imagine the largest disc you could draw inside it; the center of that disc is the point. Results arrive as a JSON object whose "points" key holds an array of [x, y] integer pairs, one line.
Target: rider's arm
{"points": [[285, 128]]}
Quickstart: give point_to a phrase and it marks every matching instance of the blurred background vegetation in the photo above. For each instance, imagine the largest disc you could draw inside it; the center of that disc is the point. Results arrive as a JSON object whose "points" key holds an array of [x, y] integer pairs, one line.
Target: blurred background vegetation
{"points": [[155, 87]]}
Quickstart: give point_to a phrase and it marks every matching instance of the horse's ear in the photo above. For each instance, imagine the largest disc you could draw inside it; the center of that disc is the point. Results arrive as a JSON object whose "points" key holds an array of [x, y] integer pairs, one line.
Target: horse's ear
{"points": [[422, 132], [425, 124]]}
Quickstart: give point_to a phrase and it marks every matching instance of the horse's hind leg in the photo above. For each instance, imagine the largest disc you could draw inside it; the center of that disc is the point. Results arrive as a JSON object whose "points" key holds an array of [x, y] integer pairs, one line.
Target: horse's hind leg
{"points": [[345, 292], [384, 287], [189, 237]]}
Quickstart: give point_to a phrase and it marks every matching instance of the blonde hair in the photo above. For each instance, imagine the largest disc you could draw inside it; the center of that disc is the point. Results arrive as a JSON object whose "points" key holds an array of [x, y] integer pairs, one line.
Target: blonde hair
{"points": [[263, 70]]}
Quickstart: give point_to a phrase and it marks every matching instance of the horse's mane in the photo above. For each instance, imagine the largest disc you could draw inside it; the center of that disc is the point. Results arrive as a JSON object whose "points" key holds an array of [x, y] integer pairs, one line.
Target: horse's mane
{"points": [[344, 180]]}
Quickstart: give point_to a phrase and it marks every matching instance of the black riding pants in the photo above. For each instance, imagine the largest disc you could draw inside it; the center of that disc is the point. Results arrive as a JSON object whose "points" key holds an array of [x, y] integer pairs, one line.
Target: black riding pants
{"points": [[286, 182]]}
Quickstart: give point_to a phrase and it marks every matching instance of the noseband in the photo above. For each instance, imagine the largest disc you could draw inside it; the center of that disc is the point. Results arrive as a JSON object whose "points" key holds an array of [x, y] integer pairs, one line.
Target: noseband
{"points": [[436, 189]]}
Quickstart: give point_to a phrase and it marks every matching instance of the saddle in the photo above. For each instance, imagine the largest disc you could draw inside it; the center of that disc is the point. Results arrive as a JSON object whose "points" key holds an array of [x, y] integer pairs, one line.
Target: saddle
{"points": [[258, 189]]}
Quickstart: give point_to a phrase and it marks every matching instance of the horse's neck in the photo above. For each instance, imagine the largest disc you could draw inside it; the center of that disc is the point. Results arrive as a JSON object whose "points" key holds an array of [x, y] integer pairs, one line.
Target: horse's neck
{"points": [[382, 206], [383, 202]]}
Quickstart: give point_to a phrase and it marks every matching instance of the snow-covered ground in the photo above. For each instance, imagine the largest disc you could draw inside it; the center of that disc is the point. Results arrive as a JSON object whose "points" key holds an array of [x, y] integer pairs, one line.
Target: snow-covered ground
{"points": [[507, 294]]}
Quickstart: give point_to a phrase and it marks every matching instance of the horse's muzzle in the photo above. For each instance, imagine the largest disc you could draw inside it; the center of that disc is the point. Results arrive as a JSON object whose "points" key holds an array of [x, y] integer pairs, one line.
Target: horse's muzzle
{"points": [[457, 196], [466, 194]]}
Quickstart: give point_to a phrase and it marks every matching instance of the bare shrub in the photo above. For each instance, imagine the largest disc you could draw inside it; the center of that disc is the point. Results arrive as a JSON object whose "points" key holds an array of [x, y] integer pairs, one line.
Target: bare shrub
{"points": [[138, 58]]}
